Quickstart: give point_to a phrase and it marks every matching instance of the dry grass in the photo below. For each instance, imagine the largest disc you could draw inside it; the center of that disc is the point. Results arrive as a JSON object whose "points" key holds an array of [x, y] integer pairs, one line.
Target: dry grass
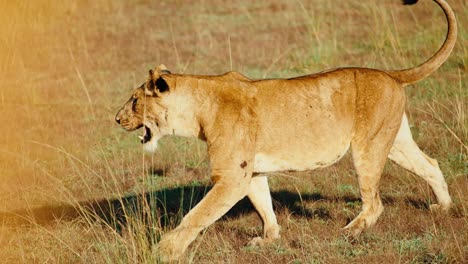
{"points": [[75, 188]]}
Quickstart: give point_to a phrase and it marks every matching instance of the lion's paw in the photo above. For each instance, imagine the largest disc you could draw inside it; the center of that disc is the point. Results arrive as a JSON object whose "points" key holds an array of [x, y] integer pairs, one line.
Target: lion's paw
{"points": [[437, 208], [167, 251], [355, 228], [259, 242], [256, 242]]}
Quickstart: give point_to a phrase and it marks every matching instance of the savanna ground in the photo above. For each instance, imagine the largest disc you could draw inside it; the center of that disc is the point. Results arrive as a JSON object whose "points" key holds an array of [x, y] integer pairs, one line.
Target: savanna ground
{"points": [[76, 188]]}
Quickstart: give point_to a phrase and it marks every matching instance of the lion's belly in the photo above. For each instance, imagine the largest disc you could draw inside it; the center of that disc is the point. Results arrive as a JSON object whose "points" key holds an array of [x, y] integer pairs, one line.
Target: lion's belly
{"points": [[294, 161], [306, 124], [300, 144]]}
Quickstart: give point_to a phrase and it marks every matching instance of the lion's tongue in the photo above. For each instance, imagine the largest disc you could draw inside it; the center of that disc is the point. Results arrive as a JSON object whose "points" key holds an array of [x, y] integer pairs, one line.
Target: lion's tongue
{"points": [[146, 137]]}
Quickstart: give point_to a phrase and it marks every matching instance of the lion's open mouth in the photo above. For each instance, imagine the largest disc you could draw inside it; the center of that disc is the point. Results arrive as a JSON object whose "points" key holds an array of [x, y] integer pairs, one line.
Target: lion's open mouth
{"points": [[146, 137]]}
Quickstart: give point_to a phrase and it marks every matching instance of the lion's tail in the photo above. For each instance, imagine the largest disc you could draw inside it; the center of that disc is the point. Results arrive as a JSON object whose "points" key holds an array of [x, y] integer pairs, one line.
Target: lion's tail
{"points": [[409, 76]]}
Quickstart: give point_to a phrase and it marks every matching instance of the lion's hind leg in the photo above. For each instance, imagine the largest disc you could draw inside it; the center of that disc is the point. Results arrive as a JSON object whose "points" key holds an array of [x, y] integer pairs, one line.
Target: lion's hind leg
{"points": [[407, 154], [259, 195], [369, 164], [377, 123]]}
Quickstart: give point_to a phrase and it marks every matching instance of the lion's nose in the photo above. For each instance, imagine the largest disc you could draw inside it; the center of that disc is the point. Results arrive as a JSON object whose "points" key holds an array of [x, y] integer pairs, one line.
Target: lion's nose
{"points": [[117, 118]]}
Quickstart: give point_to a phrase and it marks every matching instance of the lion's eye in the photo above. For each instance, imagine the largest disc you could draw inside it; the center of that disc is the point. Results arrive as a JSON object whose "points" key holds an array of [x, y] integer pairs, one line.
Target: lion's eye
{"points": [[134, 102]]}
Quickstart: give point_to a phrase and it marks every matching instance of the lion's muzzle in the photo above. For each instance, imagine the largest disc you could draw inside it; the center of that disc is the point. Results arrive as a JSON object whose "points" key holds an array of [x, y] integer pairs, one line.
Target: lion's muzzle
{"points": [[117, 117]]}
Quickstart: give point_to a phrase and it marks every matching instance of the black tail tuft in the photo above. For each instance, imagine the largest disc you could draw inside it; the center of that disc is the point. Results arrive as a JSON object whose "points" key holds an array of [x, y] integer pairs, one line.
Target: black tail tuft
{"points": [[409, 2]]}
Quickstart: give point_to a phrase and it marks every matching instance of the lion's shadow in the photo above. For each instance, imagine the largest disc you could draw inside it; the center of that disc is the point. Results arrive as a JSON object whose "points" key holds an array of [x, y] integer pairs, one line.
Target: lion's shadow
{"points": [[166, 205]]}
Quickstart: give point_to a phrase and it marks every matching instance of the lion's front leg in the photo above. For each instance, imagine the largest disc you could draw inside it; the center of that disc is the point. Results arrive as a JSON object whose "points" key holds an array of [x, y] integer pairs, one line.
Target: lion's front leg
{"points": [[215, 204], [259, 195], [231, 148]]}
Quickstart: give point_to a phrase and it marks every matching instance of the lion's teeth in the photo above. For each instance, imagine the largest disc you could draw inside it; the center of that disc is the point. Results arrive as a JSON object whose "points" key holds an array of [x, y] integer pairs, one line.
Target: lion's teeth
{"points": [[141, 137]]}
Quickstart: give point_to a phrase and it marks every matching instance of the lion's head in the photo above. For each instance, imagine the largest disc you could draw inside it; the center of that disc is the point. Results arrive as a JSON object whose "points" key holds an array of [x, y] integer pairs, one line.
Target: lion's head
{"points": [[155, 107]]}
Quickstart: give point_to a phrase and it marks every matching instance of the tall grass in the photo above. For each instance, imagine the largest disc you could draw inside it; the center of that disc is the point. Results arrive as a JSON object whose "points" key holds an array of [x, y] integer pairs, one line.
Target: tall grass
{"points": [[75, 188]]}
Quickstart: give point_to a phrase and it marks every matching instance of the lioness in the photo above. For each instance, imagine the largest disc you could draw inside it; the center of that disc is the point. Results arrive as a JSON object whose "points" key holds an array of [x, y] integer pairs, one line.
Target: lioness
{"points": [[253, 127]]}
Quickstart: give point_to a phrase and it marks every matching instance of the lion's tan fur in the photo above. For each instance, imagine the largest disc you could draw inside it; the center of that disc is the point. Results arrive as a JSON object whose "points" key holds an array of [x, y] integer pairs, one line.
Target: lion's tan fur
{"points": [[253, 127]]}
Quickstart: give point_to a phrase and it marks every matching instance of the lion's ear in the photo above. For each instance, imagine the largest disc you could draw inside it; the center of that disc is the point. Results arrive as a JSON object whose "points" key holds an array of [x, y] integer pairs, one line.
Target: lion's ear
{"points": [[156, 84], [161, 69]]}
